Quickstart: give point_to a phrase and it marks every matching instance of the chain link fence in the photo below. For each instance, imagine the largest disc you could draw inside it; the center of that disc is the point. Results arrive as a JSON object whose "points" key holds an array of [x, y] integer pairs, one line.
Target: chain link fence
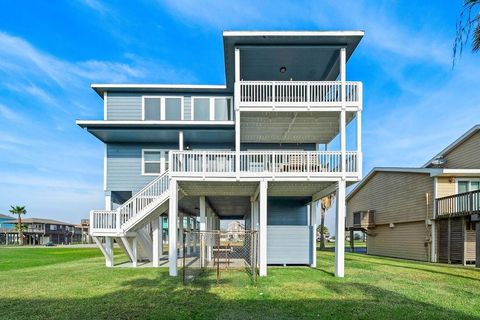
{"points": [[206, 252]]}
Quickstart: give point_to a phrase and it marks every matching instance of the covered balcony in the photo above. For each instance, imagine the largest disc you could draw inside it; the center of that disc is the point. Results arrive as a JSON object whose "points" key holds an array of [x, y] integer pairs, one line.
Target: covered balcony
{"points": [[263, 164]]}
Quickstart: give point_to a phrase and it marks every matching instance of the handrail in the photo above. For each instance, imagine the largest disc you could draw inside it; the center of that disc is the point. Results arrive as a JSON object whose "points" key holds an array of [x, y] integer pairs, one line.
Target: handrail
{"points": [[299, 91], [113, 220], [459, 204]]}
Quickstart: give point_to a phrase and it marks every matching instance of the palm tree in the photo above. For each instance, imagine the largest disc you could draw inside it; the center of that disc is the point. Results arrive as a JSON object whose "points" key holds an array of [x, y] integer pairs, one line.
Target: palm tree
{"points": [[468, 25], [19, 210], [326, 203]]}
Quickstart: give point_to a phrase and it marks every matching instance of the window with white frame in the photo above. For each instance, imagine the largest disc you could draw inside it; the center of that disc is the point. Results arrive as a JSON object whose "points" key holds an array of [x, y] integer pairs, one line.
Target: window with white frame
{"points": [[154, 161], [212, 108], [162, 108]]}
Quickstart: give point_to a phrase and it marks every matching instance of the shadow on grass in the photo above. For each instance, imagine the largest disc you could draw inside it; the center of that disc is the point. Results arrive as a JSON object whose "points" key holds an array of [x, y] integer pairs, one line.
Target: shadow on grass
{"points": [[166, 298], [423, 266]]}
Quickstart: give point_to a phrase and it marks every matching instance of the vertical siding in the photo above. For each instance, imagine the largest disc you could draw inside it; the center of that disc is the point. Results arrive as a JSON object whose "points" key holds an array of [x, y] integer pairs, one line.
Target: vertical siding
{"points": [[445, 187], [289, 245], [395, 197], [124, 166], [466, 155], [405, 240], [290, 211]]}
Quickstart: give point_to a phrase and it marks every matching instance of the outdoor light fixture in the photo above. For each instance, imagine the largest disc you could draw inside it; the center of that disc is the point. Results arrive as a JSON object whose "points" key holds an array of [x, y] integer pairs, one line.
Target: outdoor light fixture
{"points": [[283, 69]]}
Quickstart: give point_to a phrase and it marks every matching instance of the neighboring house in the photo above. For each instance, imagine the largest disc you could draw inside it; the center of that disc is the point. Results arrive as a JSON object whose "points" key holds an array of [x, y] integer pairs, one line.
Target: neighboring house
{"points": [[257, 149], [38, 231], [428, 213], [81, 232]]}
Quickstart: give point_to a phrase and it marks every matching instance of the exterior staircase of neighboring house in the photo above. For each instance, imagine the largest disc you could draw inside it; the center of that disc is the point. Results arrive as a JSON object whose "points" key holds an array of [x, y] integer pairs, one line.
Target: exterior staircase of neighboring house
{"points": [[130, 224]]}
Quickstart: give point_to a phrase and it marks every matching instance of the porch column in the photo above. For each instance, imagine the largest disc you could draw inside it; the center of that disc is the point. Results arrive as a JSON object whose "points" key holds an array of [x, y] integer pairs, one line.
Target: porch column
{"points": [[203, 218], [237, 110], [108, 202], [343, 140], [313, 225], [180, 233], [134, 252], [263, 228], [180, 140], [209, 238], [340, 231], [157, 241], [189, 228], [172, 228], [359, 144], [252, 213], [109, 251]]}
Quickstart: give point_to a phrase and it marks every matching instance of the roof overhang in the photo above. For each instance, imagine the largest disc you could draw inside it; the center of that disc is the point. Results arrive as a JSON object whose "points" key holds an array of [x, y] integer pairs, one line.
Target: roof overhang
{"points": [[330, 41], [160, 131], [159, 88]]}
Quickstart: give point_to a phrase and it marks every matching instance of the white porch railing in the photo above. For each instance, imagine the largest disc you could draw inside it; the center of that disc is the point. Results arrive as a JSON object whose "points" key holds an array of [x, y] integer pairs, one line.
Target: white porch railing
{"points": [[108, 221], [256, 163], [280, 92]]}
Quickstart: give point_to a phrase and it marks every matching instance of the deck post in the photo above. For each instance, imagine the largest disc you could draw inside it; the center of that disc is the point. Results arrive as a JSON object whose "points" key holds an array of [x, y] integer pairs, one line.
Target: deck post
{"points": [[180, 232], [340, 231], [203, 218], [343, 138], [157, 241], [263, 228], [109, 251], [187, 239], [352, 244], [313, 225], [172, 228], [237, 110], [477, 244]]}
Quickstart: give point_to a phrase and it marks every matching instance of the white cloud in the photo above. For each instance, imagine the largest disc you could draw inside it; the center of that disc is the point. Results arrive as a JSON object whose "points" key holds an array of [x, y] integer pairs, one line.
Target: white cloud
{"points": [[11, 115]]}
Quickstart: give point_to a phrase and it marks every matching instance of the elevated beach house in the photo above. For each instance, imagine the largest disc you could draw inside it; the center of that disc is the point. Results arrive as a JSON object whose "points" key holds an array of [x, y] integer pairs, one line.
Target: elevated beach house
{"points": [[263, 148], [429, 213]]}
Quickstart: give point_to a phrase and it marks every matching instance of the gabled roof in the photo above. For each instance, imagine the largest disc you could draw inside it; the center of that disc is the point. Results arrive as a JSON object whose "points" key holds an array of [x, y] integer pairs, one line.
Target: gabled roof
{"points": [[359, 185], [3, 216], [454, 144]]}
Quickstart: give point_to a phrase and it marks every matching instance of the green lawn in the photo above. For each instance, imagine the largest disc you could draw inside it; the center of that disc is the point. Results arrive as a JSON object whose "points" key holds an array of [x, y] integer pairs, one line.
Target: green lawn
{"points": [[46, 283]]}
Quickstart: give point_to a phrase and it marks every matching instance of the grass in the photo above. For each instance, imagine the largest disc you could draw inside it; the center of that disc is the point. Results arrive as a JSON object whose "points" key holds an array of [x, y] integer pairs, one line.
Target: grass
{"points": [[65, 283]]}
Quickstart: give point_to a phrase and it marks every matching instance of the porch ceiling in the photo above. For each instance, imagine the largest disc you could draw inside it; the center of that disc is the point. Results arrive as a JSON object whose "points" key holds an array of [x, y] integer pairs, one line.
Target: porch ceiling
{"points": [[296, 189], [209, 189], [290, 127]]}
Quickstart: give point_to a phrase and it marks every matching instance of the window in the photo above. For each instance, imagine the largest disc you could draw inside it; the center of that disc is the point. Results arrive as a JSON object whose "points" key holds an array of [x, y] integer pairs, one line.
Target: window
{"points": [[222, 109], [53, 227], [201, 109], [162, 108], [154, 162], [152, 109], [173, 109]]}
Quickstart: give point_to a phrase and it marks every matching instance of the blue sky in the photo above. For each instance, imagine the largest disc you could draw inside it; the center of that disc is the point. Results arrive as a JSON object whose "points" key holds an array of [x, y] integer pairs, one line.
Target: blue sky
{"points": [[415, 103]]}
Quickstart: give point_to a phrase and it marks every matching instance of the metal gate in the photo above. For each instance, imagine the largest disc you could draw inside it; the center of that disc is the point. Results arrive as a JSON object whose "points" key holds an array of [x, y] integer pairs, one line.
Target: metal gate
{"points": [[219, 251]]}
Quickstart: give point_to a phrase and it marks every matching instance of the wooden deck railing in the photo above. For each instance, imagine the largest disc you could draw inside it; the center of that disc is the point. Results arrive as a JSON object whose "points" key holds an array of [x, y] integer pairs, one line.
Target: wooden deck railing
{"points": [[461, 204], [298, 92]]}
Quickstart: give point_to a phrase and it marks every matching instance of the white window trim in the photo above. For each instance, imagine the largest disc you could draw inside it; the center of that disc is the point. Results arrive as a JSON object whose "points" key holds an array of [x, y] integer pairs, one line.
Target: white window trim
{"points": [[162, 106], [163, 155], [457, 180], [211, 107]]}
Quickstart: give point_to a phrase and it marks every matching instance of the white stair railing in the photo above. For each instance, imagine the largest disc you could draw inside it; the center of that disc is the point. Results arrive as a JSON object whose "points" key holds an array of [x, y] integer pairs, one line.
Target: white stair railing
{"points": [[108, 221]]}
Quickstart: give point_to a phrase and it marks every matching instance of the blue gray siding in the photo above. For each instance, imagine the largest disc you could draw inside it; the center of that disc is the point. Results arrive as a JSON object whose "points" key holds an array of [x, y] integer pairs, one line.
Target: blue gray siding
{"points": [[128, 105], [289, 244], [278, 146], [287, 211], [124, 166]]}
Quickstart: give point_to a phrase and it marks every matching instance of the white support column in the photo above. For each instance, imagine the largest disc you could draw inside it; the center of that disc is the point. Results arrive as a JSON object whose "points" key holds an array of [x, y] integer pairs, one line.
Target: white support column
{"points": [[109, 251], [263, 228], [189, 229], [108, 202], [433, 245], [157, 241], [359, 144], [237, 110], [209, 228], [163, 238], [180, 140], [180, 232], [340, 231], [313, 225], [252, 213], [172, 228], [343, 140], [134, 252], [203, 214]]}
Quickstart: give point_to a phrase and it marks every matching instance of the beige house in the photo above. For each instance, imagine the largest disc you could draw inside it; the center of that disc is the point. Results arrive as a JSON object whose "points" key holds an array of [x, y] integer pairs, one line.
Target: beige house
{"points": [[428, 213]]}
